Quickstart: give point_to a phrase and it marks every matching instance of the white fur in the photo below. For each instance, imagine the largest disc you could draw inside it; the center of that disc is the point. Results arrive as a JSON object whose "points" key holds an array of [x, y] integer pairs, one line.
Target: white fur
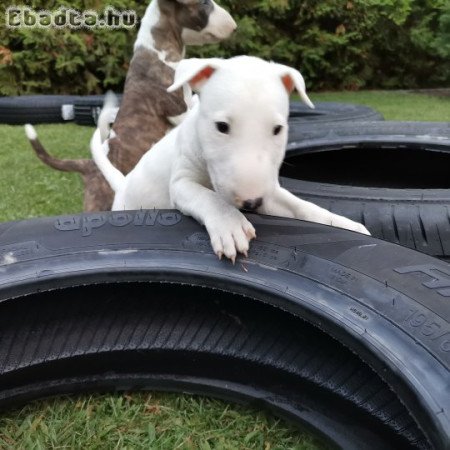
{"points": [[220, 26], [30, 132], [210, 175], [114, 177], [108, 115]]}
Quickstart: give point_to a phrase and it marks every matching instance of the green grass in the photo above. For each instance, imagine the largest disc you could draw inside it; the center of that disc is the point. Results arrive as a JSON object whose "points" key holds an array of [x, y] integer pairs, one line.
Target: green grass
{"points": [[150, 421], [395, 105], [28, 187], [161, 421]]}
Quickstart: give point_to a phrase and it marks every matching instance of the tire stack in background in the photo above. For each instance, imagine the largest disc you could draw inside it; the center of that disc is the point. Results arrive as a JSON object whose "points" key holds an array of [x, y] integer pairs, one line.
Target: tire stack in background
{"points": [[391, 176]]}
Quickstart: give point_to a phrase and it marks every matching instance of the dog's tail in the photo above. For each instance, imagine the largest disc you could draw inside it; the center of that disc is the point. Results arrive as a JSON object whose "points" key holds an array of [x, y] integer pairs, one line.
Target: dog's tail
{"points": [[100, 151], [108, 115], [65, 165]]}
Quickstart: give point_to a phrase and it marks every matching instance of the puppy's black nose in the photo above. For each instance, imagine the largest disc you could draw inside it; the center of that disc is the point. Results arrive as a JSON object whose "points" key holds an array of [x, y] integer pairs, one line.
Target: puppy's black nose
{"points": [[251, 205]]}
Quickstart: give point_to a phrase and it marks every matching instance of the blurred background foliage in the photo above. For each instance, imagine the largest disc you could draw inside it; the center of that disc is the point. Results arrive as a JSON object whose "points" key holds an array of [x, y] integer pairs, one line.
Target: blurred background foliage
{"points": [[337, 44]]}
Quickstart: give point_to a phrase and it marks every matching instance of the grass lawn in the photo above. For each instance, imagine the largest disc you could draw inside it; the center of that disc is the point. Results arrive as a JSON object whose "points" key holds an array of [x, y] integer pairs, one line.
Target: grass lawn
{"points": [[142, 420], [396, 105]]}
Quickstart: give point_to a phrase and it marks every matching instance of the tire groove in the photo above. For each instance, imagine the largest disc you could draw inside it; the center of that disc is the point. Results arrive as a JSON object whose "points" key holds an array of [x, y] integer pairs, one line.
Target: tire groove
{"points": [[224, 332], [186, 328], [25, 344], [161, 325], [172, 329], [149, 325]]}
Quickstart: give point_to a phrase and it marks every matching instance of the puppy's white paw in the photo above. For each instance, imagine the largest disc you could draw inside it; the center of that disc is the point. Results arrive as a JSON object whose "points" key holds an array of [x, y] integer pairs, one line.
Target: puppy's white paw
{"points": [[230, 235], [362, 229], [343, 222]]}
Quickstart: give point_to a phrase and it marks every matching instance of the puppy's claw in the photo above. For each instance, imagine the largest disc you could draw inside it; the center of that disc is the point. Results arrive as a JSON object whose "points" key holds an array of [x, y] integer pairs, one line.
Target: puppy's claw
{"points": [[220, 255], [251, 234], [364, 230]]}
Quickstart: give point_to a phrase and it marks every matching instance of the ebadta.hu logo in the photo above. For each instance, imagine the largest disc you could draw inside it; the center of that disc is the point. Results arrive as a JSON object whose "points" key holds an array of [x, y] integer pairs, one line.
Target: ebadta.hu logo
{"points": [[25, 17]]}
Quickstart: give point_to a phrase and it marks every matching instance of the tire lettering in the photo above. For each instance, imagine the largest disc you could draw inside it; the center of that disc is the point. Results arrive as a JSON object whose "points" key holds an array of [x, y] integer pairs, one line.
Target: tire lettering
{"points": [[419, 321], [120, 219], [68, 224], [92, 222], [430, 328], [86, 224], [445, 346], [440, 281]]}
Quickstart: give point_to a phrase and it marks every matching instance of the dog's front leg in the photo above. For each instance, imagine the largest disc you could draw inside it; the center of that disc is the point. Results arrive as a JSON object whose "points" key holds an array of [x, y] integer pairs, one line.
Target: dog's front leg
{"points": [[229, 230], [283, 203]]}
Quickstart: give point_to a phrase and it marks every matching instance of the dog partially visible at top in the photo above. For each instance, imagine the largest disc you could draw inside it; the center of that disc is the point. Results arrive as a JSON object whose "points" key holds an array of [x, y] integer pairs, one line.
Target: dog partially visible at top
{"points": [[147, 111]]}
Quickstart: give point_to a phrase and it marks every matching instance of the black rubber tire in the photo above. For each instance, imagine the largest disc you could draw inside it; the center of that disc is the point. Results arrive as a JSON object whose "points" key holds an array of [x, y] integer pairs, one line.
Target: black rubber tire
{"points": [[328, 112], [113, 301], [36, 109], [391, 176], [309, 137], [33, 109], [88, 108]]}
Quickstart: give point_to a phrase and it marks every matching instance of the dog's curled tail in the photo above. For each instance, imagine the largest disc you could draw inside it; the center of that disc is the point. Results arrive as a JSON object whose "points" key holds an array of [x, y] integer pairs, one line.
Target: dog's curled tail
{"points": [[65, 165], [107, 115], [100, 151]]}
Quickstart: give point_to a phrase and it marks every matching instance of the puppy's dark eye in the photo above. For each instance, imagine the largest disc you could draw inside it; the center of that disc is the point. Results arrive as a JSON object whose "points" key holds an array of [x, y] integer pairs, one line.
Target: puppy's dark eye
{"points": [[277, 130], [223, 127]]}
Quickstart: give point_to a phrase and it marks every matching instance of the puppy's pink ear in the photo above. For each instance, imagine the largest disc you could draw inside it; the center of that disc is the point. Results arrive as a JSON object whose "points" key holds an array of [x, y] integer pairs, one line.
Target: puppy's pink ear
{"points": [[195, 72], [288, 83], [293, 80], [203, 76]]}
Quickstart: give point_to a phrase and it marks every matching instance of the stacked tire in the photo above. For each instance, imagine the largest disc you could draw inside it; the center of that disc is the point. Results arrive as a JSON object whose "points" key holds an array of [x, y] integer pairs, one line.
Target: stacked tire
{"points": [[390, 176], [84, 110], [36, 109], [345, 334]]}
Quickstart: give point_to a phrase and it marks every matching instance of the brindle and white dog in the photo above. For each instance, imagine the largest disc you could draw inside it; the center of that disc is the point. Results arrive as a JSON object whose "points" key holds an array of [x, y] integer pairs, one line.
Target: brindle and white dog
{"points": [[148, 111]]}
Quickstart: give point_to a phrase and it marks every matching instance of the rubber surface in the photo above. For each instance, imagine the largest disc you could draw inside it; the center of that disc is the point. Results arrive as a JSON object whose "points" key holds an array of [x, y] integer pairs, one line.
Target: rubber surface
{"points": [[69, 321], [391, 176], [329, 112], [308, 137], [33, 109], [87, 110]]}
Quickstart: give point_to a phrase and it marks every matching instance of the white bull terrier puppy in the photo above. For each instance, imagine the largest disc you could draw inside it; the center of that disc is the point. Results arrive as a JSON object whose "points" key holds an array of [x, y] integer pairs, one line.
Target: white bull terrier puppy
{"points": [[225, 156]]}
